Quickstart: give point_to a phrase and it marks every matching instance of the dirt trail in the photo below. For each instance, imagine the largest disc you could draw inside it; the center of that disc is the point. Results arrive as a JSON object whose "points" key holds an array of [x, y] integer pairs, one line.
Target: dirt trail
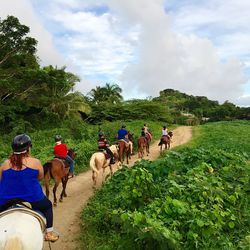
{"points": [[79, 190]]}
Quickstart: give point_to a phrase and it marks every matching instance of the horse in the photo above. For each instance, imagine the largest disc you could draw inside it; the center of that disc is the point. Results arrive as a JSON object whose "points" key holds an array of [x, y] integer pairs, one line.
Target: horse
{"points": [[58, 170], [166, 140], [142, 144], [98, 161], [21, 229], [124, 150], [131, 139], [149, 139]]}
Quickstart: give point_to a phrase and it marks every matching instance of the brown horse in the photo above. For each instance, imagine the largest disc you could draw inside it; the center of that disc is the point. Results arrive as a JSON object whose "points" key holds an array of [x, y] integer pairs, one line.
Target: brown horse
{"points": [[166, 140], [58, 170], [124, 150], [149, 139], [99, 161], [142, 144]]}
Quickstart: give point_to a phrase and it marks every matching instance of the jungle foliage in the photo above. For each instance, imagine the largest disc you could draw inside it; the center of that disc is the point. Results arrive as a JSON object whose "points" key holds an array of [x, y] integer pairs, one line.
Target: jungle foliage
{"points": [[35, 97], [196, 197]]}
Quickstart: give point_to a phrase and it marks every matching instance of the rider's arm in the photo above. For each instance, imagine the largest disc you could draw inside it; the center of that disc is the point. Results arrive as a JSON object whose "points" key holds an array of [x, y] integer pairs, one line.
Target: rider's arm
{"points": [[40, 169], [4, 166]]}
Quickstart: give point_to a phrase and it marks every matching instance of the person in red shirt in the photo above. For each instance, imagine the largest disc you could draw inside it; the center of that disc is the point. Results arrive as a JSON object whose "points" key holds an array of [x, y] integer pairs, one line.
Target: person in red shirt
{"points": [[61, 151]]}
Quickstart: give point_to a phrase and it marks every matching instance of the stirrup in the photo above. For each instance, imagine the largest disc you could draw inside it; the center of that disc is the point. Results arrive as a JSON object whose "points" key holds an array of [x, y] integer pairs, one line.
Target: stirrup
{"points": [[51, 236]]}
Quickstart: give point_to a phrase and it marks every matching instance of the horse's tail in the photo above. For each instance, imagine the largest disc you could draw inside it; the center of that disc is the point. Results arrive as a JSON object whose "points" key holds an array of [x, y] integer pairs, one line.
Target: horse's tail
{"points": [[92, 164], [13, 243], [46, 167]]}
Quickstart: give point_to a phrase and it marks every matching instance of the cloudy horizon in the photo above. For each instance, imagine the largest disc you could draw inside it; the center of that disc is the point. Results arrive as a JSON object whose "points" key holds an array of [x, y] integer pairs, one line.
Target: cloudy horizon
{"points": [[197, 47]]}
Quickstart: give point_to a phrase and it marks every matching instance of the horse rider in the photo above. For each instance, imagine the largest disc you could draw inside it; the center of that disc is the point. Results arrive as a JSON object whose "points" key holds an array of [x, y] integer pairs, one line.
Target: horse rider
{"points": [[104, 145], [19, 181], [164, 133], [146, 130], [143, 134], [61, 151], [122, 135]]}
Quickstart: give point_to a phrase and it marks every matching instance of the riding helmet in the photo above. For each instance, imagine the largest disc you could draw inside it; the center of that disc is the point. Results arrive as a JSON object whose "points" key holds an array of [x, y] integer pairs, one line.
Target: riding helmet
{"points": [[21, 143], [58, 138], [123, 126], [101, 134]]}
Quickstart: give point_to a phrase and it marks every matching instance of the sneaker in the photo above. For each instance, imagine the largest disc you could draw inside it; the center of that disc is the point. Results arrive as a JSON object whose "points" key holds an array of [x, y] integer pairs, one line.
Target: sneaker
{"points": [[51, 236]]}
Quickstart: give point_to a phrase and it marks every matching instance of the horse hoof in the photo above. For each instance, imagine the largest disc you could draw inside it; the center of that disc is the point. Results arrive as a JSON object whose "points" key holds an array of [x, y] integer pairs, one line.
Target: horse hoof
{"points": [[65, 195], [61, 200], [55, 204]]}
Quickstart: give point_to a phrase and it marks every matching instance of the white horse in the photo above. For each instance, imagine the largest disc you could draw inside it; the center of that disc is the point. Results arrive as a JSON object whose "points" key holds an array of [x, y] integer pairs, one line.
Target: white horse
{"points": [[21, 229], [98, 161]]}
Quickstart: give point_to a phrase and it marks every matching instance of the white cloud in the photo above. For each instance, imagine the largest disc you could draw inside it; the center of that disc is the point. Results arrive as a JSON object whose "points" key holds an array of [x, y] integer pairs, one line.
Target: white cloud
{"points": [[198, 47]]}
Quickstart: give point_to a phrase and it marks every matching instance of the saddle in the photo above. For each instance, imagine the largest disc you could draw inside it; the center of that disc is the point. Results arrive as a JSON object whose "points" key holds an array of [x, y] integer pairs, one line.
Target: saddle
{"points": [[107, 156], [66, 164], [23, 208]]}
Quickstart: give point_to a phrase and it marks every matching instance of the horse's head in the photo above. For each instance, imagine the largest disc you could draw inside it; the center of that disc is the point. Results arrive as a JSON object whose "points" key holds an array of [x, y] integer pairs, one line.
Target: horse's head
{"points": [[130, 136], [72, 153], [170, 133]]}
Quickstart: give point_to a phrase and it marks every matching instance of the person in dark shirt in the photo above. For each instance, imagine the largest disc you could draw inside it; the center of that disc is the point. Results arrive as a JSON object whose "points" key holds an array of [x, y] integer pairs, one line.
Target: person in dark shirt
{"points": [[104, 145]]}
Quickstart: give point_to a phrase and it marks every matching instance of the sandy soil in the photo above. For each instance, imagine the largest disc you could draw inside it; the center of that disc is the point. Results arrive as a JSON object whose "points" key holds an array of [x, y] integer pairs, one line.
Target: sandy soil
{"points": [[79, 190]]}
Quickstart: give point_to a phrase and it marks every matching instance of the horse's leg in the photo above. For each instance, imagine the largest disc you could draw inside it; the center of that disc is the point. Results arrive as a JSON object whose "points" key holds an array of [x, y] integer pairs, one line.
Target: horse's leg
{"points": [[63, 187], [127, 154], [54, 191], [66, 181], [103, 173], [94, 178], [147, 148], [46, 183], [63, 193]]}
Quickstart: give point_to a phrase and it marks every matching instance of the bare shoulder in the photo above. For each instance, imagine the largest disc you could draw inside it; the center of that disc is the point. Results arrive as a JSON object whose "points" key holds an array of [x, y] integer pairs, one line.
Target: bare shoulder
{"points": [[6, 164], [33, 162]]}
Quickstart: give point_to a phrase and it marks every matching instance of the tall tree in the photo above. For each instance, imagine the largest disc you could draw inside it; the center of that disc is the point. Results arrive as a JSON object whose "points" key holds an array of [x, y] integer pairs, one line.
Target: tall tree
{"points": [[14, 40], [110, 93]]}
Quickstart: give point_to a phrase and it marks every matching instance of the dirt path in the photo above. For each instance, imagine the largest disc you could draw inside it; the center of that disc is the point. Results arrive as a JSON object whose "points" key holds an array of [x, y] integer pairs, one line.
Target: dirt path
{"points": [[79, 190]]}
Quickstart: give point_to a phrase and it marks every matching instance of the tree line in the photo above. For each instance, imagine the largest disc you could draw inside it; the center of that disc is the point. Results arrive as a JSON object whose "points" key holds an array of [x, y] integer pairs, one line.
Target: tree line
{"points": [[36, 97]]}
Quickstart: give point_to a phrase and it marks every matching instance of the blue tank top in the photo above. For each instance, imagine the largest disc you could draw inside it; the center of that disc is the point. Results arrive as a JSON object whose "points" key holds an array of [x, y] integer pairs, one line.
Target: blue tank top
{"points": [[23, 184]]}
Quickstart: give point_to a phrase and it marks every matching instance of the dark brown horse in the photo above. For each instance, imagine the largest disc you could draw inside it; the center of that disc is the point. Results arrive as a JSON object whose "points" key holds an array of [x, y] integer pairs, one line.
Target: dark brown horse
{"points": [[142, 144], [124, 150], [166, 140], [58, 170]]}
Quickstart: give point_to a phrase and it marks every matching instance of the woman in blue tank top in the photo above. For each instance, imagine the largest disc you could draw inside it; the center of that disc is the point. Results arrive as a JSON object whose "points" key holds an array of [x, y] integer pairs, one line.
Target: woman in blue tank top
{"points": [[19, 180]]}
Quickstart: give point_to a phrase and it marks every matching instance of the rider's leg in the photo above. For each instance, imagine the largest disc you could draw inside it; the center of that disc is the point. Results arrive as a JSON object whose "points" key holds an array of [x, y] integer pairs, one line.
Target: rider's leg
{"points": [[45, 207], [131, 147], [71, 165], [112, 160]]}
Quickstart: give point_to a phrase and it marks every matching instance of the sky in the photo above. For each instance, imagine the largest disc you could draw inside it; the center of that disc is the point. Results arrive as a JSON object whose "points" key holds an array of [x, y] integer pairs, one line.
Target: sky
{"points": [[198, 47]]}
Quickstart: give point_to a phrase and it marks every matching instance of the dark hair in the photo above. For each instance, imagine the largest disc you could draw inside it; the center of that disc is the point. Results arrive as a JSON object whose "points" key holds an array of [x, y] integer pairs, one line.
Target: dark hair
{"points": [[58, 138], [16, 160]]}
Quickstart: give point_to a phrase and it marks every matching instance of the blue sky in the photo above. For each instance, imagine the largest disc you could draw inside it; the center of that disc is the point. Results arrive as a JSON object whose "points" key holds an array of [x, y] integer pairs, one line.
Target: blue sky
{"points": [[145, 46]]}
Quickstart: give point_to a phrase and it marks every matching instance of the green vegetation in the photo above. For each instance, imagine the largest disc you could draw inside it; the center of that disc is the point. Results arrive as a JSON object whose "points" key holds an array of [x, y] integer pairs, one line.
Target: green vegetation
{"points": [[34, 97], [194, 198], [81, 136]]}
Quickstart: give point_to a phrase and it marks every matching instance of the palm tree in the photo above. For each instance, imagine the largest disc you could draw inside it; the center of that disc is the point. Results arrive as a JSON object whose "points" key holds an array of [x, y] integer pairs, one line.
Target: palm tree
{"points": [[110, 93]]}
